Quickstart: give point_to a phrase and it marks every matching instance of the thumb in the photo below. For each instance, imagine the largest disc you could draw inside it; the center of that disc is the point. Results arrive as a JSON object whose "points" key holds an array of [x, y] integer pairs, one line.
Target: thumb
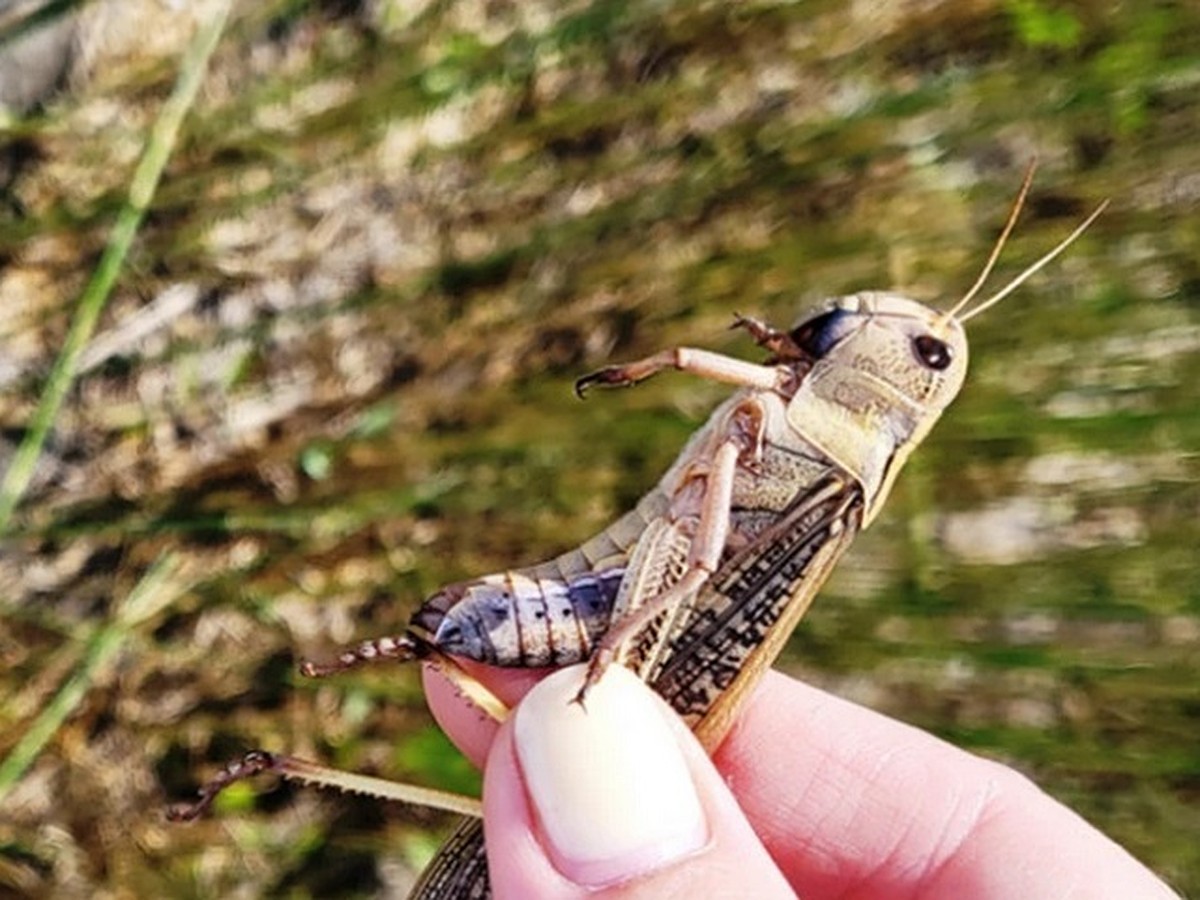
{"points": [[615, 799]]}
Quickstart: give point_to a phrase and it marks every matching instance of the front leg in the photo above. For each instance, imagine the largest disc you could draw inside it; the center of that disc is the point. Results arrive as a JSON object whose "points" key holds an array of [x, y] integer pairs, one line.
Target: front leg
{"points": [[704, 363], [782, 346]]}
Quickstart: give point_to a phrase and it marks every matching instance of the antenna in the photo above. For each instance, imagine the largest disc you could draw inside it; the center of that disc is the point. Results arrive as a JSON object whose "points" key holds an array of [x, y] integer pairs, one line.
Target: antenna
{"points": [[987, 269], [1037, 266]]}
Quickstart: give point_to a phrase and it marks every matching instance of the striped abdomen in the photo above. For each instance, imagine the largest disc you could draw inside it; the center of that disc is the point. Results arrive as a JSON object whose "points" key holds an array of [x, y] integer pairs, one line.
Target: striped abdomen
{"points": [[513, 619]]}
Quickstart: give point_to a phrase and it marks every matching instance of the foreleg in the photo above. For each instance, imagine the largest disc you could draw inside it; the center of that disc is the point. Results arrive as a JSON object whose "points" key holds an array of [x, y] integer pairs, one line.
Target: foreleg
{"points": [[705, 363]]}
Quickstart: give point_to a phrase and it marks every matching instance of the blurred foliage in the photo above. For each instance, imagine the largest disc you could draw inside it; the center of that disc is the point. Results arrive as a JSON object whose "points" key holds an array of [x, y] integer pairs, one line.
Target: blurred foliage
{"points": [[1038, 25], [336, 375]]}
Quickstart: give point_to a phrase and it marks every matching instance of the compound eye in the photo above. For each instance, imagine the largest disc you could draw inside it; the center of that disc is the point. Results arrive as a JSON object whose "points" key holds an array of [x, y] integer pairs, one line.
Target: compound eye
{"points": [[818, 335], [932, 352]]}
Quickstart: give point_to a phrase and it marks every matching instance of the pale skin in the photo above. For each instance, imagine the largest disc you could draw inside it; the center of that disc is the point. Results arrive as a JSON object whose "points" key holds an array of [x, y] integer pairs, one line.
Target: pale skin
{"points": [[809, 794]]}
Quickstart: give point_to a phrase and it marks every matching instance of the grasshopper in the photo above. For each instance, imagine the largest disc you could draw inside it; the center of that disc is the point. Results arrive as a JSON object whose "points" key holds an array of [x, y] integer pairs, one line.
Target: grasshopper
{"points": [[698, 587]]}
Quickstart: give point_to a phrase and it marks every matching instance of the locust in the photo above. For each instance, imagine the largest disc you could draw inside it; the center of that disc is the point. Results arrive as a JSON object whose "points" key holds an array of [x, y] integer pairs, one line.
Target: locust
{"points": [[698, 587]]}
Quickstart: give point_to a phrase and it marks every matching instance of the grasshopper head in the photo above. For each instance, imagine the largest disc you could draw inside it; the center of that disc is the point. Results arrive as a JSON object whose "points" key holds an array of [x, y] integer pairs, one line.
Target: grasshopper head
{"points": [[881, 368], [910, 355]]}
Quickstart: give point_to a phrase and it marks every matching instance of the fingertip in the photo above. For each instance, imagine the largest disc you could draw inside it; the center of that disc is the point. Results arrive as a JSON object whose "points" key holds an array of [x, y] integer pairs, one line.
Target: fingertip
{"points": [[518, 865], [609, 781], [617, 798], [464, 722]]}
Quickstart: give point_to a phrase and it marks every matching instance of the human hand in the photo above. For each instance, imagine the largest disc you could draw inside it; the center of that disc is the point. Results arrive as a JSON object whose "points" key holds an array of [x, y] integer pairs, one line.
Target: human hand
{"points": [[809, 794]]}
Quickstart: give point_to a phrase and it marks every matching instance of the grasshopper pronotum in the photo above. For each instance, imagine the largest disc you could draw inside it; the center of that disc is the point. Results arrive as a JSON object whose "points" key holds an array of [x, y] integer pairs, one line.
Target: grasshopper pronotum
{"points": [[699, 586]]}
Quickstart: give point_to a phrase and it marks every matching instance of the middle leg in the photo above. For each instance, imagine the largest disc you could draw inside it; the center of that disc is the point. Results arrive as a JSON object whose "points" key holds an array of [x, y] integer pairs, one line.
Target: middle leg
{"points": [[741, 439]]}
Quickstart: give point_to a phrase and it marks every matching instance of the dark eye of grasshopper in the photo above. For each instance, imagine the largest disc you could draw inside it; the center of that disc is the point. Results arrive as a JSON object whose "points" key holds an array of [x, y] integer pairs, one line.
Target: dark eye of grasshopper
{"points": [[818, 335], [932, 352]]}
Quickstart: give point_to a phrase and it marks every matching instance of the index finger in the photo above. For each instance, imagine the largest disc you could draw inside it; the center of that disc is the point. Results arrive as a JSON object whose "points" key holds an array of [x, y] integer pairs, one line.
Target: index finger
{"points": [[851, 803]]}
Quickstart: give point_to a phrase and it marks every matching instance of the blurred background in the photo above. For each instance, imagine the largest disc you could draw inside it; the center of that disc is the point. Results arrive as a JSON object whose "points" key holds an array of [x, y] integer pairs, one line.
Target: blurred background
{"points": [[336, 373]]}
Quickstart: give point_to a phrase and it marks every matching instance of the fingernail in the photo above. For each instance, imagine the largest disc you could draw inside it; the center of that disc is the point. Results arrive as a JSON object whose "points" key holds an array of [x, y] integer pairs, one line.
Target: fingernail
{"points": [[608, 781]]}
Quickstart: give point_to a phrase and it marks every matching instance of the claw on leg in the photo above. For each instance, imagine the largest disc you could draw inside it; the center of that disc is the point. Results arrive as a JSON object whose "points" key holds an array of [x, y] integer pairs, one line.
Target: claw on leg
{"points": [[628, 374], [764, 335], [597, 666], [610, 376], [779, 343]]}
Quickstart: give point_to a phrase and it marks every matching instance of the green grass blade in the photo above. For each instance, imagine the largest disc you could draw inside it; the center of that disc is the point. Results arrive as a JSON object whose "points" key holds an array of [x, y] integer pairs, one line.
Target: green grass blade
{"points": [[158, 587], [141, 190]]}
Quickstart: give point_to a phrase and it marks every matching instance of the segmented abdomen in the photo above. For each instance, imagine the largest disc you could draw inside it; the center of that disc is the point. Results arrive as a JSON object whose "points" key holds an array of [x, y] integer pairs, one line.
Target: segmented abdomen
{"points": [[512, 619]]}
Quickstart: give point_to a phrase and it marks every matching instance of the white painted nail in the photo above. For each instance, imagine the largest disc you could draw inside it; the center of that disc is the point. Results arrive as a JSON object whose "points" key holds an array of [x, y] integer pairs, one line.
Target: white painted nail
{"points": [[608, 781]]}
